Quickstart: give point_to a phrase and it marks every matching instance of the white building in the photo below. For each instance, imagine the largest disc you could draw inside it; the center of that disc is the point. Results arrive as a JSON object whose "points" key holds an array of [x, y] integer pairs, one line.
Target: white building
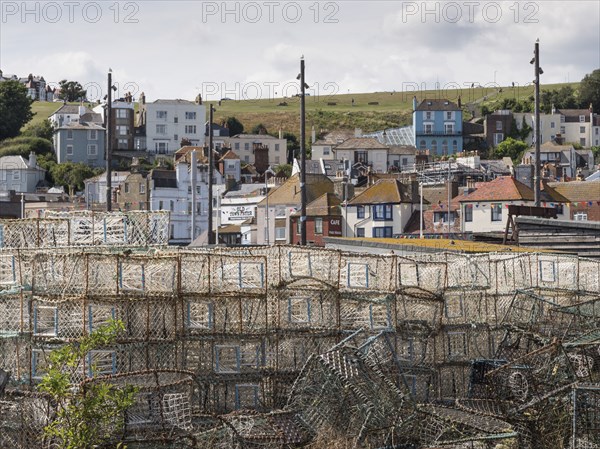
{"points": [[167, 122], [486, 208], [20, 174], [171, 190], [571, 125], [382, 210], [243, 146], [95, 187], [365, 150]]}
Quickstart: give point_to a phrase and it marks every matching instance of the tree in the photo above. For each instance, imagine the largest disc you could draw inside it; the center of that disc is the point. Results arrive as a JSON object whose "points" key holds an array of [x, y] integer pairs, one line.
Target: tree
{"points": [[234, 125], [589, 91], [286, 169], [72, 175], [260, 129], [85, 416], [292, 146], [43, 129], [511, 148], [22, 146], [559, 98], [71, 91], [15, 108], [185, 142]]}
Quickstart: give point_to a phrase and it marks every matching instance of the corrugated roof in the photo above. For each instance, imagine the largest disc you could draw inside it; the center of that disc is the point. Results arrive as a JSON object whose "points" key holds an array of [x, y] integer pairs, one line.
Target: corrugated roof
{"points": [[578, 190], [385, 191], [503, 188]]}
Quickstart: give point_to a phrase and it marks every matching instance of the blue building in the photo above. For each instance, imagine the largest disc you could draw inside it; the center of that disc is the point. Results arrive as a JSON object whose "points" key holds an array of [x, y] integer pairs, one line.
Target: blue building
{"points": [[438, 126], [81, 140]]}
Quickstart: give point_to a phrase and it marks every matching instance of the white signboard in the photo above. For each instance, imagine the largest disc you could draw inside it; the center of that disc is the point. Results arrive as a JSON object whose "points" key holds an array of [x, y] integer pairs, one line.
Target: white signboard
{"points": [[236, 213]]}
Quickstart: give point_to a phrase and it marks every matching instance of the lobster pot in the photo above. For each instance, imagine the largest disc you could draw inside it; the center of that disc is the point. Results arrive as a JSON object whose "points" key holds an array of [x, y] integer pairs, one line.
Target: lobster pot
{"points": [[463, 343], [422, 310], [468, 306], [366, 272], [467, 271], [293, 350], [453, 381], [305, 304], [195, 277], [22, 419], [371, 311], [223, 394], [50, 319], [301, 263], [153, 319]]}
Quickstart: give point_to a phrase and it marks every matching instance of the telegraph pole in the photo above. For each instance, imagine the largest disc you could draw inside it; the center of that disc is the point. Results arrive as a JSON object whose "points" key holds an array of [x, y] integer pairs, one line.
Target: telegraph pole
{"points": [[211, 240], [302, 154], [109, 144], [536, 173]]}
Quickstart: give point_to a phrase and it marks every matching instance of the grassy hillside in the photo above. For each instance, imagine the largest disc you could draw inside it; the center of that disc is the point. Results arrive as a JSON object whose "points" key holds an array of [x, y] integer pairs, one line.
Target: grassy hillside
{"points": [[387, 109]]}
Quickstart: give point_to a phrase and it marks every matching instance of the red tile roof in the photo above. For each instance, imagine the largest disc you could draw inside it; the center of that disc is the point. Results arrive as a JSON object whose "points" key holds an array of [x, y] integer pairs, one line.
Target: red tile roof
{"points": [[385, 191], [504, 188]]}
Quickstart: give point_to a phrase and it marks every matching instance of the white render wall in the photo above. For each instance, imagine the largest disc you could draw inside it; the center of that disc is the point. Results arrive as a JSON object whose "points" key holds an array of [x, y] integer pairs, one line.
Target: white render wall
{"points": [[174, 132]]}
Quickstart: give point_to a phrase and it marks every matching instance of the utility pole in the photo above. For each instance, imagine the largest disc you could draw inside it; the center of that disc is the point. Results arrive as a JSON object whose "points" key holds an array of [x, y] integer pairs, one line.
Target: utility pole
{"points": [[536, 173], [193, 169], [109, 144], [302, 154], [211, 240]]}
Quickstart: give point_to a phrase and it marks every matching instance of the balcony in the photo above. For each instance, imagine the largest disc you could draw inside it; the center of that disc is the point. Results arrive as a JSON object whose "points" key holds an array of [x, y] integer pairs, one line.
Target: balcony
{"points": [[454, 133]]}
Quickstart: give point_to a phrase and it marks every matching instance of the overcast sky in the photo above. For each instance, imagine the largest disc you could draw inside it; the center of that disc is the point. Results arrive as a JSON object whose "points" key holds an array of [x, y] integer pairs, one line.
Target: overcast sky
{"points": [[252, 49]]}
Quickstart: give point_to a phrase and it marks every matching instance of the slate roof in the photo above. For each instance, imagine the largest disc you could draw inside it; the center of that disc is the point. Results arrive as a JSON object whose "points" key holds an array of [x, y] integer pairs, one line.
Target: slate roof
{"points": [[437, 105], [503, 188], [385, 191], [361, 143], [578, 190], [289, 191], [71, 109], [402, 149], [326, 205], [253, 136], [16, 162], [335, 137], [175, 102], [572, 115]]}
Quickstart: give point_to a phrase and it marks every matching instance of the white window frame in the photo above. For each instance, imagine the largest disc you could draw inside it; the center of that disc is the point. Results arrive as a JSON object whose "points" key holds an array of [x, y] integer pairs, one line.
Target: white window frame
{"points": [[190, 115], [92, 134], [69, 150], [161, 115], [92, 149], [69, 134], [190, 129], [161, 129], [280, 233]]}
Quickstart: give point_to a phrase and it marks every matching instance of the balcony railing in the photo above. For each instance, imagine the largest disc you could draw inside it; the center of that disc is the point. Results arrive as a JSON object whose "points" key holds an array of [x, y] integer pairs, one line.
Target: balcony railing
{"points": [[438, 133]]}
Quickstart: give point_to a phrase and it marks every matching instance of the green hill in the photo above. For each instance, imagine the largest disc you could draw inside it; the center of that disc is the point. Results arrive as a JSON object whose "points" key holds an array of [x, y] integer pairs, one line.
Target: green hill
{"points": [[370, 112]]}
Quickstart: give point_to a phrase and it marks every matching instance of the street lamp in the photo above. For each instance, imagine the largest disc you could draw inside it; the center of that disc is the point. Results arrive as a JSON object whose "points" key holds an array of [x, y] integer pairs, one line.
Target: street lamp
{"points": [[267, 171], [108, 145]]}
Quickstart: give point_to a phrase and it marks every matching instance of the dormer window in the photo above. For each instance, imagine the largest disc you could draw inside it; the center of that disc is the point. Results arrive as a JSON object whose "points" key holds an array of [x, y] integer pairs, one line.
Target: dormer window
{"points": [[582, 118]]}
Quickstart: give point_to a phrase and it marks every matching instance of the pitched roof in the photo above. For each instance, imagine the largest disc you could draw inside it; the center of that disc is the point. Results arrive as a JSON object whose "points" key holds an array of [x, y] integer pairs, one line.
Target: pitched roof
{"points": [[503, 188], [553, 147], [289, 191], [437, 105], [253, 136], [229, 155], [361, 143], [385, 191], [184, 154], [334, 137], [14, 162], [578, 190], [403, 149], [71, 109], [326, 205], [177, 101]]}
